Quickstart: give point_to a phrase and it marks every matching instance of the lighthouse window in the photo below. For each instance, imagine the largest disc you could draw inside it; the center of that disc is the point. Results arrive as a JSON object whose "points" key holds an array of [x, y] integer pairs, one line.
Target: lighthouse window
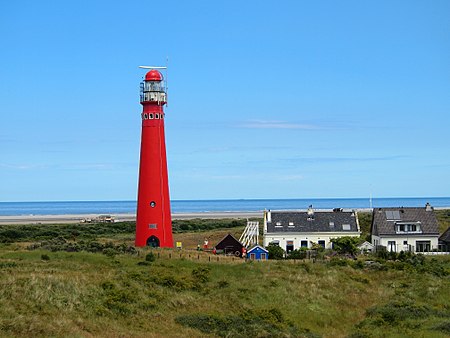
{"points": [[153, 204], [145, 116], [150, 116], [157, 116]]}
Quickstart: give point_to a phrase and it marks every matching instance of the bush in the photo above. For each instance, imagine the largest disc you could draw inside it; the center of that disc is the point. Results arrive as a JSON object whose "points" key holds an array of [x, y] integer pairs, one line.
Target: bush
{"points": [[443, 327], [150, 257], [110, 252], [345, 245], [297, 254], [45, 257], [275, 252], [265, 323], [201, 274]]}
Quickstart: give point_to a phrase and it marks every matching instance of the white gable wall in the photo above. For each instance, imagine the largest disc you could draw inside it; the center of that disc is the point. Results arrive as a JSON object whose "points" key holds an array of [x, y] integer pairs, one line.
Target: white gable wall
{"points": [[398, 242], [297, 238]]}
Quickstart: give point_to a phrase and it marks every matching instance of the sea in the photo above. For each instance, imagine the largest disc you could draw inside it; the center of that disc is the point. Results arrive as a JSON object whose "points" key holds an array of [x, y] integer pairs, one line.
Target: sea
{"points": [[205, 206]]}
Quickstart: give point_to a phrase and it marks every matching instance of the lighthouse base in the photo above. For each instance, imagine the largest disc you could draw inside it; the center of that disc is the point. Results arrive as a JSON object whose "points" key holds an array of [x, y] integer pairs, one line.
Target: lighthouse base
{"points": [[153, 242]]}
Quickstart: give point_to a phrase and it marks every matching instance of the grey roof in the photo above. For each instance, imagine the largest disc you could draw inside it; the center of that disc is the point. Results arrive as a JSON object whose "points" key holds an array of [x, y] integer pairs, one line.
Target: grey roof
{"points": [[322, 221], [385, 219], [445, 237]]}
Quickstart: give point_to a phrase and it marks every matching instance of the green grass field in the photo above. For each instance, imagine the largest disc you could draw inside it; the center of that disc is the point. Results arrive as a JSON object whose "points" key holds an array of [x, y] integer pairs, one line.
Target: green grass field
{"points": [[111, 292]]}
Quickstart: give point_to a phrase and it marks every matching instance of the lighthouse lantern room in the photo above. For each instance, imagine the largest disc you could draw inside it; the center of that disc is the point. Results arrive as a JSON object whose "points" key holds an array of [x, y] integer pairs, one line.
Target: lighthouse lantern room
{"points": [[153, 219]]}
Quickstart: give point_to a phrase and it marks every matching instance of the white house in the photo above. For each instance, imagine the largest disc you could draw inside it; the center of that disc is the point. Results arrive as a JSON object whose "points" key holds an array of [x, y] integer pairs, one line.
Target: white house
{"points": [[366, 247], [405, 229], [292, 230]]}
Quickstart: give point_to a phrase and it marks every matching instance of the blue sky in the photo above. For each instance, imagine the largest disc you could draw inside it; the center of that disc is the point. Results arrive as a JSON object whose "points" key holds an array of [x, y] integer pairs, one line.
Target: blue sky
{"points": [[267, 99]]}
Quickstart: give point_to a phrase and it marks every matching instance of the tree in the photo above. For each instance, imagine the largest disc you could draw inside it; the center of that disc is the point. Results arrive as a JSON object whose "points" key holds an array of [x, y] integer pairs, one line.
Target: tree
{"points": [[275, 251], [297, 254], [345, 245]]}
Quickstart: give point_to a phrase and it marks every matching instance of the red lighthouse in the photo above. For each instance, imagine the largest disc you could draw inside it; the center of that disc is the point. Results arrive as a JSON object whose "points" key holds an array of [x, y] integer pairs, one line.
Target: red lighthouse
{"points": [[153, 219]]}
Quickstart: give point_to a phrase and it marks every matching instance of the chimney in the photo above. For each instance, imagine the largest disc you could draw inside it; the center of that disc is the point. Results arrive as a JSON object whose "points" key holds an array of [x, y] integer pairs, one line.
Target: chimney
{"points": [[310, 213], [269, 216], [428, 207]]}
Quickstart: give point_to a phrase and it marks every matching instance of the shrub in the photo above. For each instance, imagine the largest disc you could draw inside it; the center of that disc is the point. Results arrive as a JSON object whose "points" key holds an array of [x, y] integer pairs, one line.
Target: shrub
{"points": [[297, 254], [345, 245], [201, 274], [222, 284], [110, 252], [150, 257], [45, 257], [4, 265], [443, 327], [275, 251], [266, 323]]}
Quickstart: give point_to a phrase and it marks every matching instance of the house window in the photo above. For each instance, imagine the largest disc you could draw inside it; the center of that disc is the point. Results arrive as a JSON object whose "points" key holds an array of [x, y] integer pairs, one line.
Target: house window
{"points": [[289, 246], [291, 224], [346, 227], [405, 227], [423, 246], [278, 224], [275, 243], [263, 256], [321, 243], [304, 244], [252, 256], [392, 246]]}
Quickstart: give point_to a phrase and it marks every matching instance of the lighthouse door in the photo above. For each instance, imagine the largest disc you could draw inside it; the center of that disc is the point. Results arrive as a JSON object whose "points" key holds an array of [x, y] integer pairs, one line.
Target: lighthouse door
{"points": [[153, 242]]}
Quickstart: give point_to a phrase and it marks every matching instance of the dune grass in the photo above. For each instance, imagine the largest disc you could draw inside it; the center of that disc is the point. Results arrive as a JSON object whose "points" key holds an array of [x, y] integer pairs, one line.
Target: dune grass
{"points": [[111, 292], [83, 294]]}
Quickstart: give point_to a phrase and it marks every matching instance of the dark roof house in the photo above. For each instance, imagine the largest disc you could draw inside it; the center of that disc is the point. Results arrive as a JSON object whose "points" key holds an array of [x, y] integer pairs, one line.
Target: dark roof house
{"points": [[292, 230], [229, 245], [390, 221], [405, 229], [312, 221]]}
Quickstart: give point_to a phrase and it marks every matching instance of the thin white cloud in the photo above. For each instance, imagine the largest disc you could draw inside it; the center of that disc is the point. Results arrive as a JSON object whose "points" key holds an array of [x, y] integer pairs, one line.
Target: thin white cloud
{"points": [[262, 124], [262, 176], [290, 177], [71, 166], [344, 159], [22, 166]]}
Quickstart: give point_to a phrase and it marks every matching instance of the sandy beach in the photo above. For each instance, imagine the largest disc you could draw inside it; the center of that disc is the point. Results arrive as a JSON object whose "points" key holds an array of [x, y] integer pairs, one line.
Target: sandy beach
{"points": [[77, 218]]}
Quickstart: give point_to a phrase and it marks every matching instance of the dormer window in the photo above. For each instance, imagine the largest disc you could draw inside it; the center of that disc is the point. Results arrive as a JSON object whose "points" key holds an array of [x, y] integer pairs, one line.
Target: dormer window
{"points": [[406, 228], [278, 224]]}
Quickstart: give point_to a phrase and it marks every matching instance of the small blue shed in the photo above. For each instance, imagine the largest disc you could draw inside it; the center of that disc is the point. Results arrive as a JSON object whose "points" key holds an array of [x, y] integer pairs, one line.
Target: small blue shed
{"points": [[258, 253]]}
